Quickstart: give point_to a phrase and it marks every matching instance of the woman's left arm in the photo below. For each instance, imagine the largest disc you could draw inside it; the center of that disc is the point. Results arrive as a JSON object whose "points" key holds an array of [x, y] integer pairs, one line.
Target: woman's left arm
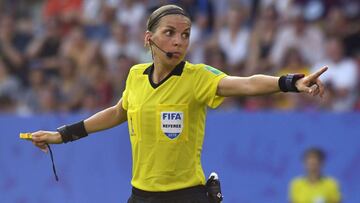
{"points": [[264, 84]]}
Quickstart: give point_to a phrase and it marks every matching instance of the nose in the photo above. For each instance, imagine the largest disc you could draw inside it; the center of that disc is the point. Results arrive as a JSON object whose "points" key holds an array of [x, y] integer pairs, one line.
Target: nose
{"points": [[177, 40]]}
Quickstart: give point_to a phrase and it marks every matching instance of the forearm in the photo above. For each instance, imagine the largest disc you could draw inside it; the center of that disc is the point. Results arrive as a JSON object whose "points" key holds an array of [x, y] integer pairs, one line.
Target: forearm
{"points": [[248, 86], [105, 119], [263, 84]]}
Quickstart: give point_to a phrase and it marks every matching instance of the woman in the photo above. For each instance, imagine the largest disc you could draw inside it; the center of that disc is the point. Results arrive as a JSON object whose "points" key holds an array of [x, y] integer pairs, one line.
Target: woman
{"points": [[314, 186], [165, 106]]}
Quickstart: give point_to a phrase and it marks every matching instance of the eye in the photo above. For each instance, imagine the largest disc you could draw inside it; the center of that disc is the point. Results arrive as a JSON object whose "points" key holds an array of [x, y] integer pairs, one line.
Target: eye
{"points": [[185, 35], [169, 33]]}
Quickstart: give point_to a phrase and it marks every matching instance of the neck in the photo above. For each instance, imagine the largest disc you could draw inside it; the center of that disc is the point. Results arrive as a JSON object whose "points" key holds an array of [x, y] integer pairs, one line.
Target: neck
{"points": [[161, 70], [314, 177]]}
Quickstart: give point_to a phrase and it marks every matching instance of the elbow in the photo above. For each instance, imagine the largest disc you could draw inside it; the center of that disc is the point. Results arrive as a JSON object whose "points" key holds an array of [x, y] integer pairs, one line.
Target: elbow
{"points": [[236, 86], [251, 86]]}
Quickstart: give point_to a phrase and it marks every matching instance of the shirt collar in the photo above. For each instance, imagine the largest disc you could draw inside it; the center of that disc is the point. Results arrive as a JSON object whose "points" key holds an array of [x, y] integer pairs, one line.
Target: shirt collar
{"points": [[176, 71]]}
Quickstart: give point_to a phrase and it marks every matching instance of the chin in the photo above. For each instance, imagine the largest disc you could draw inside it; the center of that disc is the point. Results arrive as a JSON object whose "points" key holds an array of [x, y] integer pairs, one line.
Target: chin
{"points": [[173, 61]]}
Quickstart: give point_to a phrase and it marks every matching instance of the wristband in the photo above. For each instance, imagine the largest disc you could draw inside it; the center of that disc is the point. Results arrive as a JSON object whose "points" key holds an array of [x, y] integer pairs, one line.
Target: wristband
{"points": [[72, 132], [287, 82]]}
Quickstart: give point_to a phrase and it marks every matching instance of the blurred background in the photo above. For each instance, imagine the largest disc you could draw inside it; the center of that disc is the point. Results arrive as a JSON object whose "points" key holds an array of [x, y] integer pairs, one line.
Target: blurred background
{"points": [[62, 60]]}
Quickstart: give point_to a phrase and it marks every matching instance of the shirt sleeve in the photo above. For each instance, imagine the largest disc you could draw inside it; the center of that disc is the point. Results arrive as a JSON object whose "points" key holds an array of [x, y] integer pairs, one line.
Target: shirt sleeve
{"points": [[207, 80], [125, 94]]}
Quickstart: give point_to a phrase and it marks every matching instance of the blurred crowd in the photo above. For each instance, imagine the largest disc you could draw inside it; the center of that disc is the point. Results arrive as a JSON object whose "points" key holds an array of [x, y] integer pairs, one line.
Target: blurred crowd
{"points": [[74, 55]]}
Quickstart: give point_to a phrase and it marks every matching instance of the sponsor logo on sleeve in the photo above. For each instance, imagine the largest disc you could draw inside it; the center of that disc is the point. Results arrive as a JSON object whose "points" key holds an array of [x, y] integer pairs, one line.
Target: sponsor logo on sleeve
{"points": [[213, 70]]}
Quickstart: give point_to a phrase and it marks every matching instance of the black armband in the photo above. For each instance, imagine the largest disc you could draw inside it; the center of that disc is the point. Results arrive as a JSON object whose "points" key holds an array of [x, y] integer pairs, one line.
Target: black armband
{"points": [[72, 132], [287, 82]]}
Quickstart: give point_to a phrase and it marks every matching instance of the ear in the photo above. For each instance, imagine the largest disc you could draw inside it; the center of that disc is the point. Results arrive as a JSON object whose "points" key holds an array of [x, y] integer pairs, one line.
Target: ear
{"points": [[147, 38]]}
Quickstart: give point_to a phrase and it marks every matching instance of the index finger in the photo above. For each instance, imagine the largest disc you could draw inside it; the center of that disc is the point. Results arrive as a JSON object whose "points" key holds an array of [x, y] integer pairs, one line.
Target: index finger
{"points": [[318, 73]]}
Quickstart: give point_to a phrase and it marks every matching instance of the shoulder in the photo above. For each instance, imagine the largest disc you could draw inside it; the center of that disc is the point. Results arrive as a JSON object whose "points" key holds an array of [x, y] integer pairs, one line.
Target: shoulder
{"points": [[139, 68], [190, 67], [201, 68], [298, 181], [330, 181]]}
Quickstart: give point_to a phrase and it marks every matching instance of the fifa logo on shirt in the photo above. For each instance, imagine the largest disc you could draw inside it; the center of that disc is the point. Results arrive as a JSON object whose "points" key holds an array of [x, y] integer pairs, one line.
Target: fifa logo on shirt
{"points": [[172, 123]]}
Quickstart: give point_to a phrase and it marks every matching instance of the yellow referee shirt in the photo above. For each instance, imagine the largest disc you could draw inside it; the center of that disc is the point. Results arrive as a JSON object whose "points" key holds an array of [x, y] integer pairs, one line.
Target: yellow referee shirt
{"points": [[166, 124], [324, 191]]}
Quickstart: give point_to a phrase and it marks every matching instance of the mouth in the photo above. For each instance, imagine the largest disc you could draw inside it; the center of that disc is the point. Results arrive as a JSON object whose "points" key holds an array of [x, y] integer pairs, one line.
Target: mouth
{"points": [[176, 54]]}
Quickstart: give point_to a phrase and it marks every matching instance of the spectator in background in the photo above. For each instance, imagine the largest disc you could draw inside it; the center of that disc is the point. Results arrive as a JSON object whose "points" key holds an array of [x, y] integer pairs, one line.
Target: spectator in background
{"points": [[281, 6], [9, 85], [336, 24], [300, 34], [77, 29], [314, 187], [200, 34], [48, 100], [44, 49], [67, 11], [215, 57], [195, 7], [12, 46], [97, 18], [78, 48], [119, 74], [352, 41], [70, 88], [261, 43], [293, 62], [234, 38], [98, 79], [37, 84], [120, 43], [65, 8], [131, 13], [342, 77], [89, 103]]}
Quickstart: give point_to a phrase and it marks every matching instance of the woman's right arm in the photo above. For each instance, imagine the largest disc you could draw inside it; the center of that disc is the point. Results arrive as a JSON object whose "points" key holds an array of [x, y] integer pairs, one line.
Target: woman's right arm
{"points": [[102, 120], [105, 119]]}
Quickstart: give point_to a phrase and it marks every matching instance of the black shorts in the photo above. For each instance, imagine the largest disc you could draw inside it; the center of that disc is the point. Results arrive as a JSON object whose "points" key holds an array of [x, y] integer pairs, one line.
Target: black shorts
{"points": [[195, 194]]}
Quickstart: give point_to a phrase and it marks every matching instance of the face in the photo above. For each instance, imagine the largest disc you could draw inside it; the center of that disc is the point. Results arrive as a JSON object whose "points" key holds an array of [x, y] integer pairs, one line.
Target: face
{"points": [[313, 164], [233, 18], [171, 35], [334, 50]]}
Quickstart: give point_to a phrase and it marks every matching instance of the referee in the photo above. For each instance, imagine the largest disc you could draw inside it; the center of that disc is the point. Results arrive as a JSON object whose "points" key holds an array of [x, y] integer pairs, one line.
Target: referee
{"points": [[165, 105]]}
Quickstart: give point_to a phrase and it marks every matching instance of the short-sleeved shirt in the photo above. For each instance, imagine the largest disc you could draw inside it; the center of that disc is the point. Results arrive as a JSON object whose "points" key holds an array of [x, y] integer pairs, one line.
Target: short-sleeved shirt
{"points": [[324, 191], [166, 124]]}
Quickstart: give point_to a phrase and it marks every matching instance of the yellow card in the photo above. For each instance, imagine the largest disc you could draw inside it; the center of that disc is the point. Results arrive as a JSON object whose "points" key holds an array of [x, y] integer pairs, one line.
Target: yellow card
{"points": [[25, 136]]}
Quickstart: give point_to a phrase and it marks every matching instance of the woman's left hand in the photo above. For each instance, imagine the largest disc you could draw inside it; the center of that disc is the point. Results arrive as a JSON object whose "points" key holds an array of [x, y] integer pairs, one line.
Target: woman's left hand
{"points": [[311, 83]]}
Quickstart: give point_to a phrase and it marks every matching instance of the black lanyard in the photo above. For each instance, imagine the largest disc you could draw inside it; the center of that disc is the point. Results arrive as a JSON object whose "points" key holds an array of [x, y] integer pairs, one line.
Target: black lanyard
{"points": [[53, 163]]}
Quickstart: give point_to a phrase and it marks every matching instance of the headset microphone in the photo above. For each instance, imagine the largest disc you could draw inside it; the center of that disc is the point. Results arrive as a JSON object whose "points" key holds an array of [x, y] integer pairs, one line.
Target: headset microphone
{"points": [[168, 54]]}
